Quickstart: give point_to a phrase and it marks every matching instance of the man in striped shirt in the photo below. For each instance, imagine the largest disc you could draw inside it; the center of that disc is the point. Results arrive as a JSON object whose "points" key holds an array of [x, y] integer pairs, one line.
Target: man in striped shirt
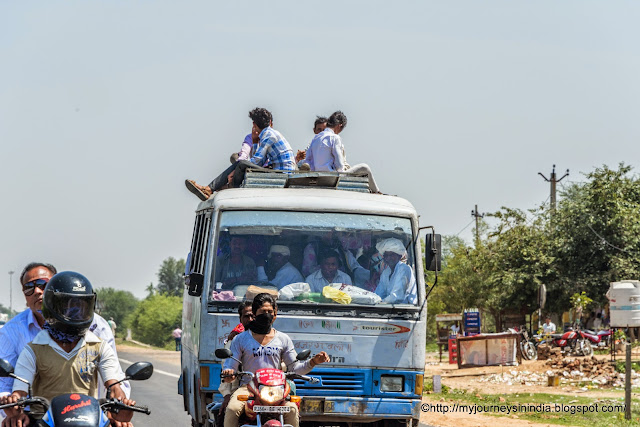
{"points": [[272, 148]]}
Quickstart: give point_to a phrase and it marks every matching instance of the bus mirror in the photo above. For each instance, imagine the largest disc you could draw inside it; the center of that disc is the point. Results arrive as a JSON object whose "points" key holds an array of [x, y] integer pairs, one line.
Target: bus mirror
{"points": [[194, 282], [433, 251]]}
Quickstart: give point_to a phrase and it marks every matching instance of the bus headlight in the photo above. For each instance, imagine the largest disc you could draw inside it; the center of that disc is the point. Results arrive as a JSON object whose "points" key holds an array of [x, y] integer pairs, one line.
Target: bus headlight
{"points": [[271, 394], [391, 383]]}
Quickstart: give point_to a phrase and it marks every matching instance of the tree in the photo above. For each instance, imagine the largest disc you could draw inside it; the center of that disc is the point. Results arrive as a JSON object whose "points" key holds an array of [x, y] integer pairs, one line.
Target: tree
{"points": [[597, 233], [170, 276], [117, 304], [155, 318]]}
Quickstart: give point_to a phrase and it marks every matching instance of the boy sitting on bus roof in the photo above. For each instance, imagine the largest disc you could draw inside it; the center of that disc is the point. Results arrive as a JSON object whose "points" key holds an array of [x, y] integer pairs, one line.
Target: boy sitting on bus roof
{"points": [[273, 147]]}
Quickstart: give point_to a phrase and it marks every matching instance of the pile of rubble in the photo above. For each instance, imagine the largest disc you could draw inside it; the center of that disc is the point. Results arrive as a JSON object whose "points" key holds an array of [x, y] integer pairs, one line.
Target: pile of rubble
{"points": [[589, 369], [515, 377], [545, 352]]}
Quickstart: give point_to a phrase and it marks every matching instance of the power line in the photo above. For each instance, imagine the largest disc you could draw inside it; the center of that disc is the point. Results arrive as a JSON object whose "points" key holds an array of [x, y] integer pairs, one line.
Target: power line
{"points": [[553, 181]]}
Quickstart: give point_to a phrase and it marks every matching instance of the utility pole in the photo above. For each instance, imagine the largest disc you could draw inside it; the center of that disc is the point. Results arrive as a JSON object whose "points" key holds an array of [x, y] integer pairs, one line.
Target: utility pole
{"points": [[477, 215], [553, 181], [11, 293]]}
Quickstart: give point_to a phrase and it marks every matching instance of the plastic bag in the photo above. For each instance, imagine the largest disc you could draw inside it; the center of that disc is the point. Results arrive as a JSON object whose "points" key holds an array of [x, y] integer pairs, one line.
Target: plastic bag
{"points": [[335, 295], [358, 295], [290, 292]]}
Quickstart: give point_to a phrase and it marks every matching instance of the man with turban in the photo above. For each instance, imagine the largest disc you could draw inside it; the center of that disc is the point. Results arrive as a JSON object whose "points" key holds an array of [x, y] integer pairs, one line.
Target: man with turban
{"points": [[279, 270], [397, 283]]}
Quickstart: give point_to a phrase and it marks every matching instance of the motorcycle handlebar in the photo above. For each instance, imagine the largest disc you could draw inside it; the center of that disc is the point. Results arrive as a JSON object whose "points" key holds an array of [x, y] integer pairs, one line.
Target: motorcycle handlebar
{"points": [[116, 405], [237, 374], [312, 380], [27, 401]]}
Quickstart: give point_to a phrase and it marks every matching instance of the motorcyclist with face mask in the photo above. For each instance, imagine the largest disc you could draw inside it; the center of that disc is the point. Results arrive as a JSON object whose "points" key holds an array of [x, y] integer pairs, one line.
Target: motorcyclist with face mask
{"points": [[263, 347], [65, 357]]}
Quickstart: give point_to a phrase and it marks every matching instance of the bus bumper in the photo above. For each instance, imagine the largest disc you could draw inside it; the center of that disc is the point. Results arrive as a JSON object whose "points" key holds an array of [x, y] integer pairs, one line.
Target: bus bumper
{"points": [[358, 408]]}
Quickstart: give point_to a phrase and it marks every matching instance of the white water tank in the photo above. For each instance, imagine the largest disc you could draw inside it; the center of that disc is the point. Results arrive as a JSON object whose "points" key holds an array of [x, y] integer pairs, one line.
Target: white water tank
{"points": [[624, 303]]}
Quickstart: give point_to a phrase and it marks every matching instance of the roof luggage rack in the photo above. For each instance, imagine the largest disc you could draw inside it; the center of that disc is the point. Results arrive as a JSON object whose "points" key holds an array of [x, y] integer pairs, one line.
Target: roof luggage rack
{"points": [[286, 179]]}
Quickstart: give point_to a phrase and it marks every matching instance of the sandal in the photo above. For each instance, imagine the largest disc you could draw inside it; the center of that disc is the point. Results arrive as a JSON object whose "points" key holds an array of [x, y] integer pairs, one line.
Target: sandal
{"points": [[194, 188]]}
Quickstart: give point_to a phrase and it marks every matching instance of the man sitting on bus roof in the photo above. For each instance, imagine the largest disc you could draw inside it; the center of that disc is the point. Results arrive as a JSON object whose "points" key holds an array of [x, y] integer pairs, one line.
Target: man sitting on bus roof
{"points": [[328, 273], [397, 284], [279, 270], [326, 152], [273, 147]]}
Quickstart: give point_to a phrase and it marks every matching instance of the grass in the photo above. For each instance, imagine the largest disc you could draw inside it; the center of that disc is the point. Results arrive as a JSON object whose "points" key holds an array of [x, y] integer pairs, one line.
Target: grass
{"points": [[432, 347], [548, 402]]}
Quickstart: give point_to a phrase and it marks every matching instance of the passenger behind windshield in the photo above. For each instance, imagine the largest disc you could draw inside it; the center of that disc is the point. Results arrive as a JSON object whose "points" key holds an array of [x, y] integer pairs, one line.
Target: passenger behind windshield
{"points": [[328, 273], [397, 282], [329, 242], [236, 267], [278, 270]]}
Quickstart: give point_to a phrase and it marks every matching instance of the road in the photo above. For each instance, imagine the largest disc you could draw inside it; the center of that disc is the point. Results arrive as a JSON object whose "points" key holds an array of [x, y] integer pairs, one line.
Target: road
{"points": [[160, 392]]}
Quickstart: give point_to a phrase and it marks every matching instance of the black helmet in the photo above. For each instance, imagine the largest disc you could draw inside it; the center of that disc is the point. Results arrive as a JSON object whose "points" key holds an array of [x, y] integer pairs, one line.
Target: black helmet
{"points": [[68, 303]]}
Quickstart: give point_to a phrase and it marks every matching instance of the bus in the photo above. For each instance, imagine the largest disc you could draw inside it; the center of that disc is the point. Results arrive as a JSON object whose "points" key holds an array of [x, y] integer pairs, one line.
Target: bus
{"points": [[376, 347]]}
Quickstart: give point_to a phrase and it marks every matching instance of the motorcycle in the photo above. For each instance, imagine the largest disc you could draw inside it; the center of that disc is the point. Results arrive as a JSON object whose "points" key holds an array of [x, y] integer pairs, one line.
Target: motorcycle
{"points": [[528, 347], [75, 409], [600, 339], [269, 390], [573, 341]]}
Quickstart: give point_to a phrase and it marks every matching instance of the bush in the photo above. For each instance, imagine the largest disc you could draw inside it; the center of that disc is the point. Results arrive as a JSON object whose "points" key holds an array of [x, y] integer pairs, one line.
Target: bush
{"points": [[155, 318]]}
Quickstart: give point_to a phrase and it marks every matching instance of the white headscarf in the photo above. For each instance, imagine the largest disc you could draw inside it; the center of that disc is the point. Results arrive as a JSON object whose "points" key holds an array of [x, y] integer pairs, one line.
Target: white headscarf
{"points": [[279, 249], [391, 245]]}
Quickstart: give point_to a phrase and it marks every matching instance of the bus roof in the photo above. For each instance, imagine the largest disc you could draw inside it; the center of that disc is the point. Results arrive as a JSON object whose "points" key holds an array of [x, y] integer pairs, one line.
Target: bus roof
{"points": [[309, 199]]}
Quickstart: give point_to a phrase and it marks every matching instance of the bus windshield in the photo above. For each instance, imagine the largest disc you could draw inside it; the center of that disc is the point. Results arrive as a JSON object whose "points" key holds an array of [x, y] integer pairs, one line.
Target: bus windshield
{"points": [[312, 258]]}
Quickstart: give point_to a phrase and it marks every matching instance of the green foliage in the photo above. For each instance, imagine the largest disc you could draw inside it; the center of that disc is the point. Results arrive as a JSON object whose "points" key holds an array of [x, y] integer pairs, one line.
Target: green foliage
{"points": [[622, 368], [592, 239], [117, 304], [155, 318], [170, 276]]}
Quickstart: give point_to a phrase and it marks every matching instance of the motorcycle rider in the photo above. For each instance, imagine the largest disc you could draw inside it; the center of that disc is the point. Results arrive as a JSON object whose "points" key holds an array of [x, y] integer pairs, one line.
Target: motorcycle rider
{"points": [[245, 312], [65, 357], [263, 347]]}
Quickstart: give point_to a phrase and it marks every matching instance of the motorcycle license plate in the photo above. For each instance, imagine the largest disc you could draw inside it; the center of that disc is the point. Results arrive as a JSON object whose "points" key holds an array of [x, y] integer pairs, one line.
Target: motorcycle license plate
{"points": [[276, 409]]}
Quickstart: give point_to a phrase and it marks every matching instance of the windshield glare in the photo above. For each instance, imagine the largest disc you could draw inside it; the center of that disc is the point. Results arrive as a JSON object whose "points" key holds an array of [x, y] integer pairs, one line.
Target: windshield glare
{"points": [[311, 258]]}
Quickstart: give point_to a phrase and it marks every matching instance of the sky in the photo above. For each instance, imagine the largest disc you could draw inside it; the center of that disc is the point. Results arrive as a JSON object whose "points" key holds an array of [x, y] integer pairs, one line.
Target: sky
{"points": [[107, 107]]}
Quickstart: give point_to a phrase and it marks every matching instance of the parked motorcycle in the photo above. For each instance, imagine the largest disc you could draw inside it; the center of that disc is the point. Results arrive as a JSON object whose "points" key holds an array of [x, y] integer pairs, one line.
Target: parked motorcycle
{"points": [[269, 390], [574, 342], [528, 347], [600, 339], [75, 409]]}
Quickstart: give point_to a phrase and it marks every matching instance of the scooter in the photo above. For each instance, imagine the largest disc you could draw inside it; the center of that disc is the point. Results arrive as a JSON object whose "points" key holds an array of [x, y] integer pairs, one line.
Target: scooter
{"points": [[269, 390], [75, 409], [598, 339]]}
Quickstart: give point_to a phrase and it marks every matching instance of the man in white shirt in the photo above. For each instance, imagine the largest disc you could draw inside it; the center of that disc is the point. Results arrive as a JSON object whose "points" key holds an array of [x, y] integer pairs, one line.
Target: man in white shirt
{"points": [[328, 273], [548, 327], [23, 328], [326, 152], [279, 270]]}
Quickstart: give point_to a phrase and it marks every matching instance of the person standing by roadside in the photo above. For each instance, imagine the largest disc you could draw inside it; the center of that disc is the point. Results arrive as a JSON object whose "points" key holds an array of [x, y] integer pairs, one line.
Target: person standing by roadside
{"points": [[177, 336], [326, 152], [548, 327], [23, 328], [112, 325]]}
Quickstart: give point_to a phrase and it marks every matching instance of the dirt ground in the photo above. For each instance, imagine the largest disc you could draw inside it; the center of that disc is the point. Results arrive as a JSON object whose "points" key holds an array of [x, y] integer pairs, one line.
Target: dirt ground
{"points": [[475, 380]]}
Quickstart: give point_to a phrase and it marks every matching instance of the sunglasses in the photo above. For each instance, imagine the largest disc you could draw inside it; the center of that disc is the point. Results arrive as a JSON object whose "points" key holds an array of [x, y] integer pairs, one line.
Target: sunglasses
{"points": [[29, 288]]}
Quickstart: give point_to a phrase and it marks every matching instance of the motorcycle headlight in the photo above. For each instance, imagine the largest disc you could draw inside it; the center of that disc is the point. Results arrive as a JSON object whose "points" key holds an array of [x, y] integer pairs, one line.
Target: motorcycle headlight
{"points": [[271, 394]]}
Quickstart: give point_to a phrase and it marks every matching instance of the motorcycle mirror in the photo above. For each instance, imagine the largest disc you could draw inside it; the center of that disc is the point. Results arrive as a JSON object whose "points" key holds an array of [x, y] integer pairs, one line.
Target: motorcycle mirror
{"points": [[223, 353], [6, 368], [139, 371], [303, 355]]}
